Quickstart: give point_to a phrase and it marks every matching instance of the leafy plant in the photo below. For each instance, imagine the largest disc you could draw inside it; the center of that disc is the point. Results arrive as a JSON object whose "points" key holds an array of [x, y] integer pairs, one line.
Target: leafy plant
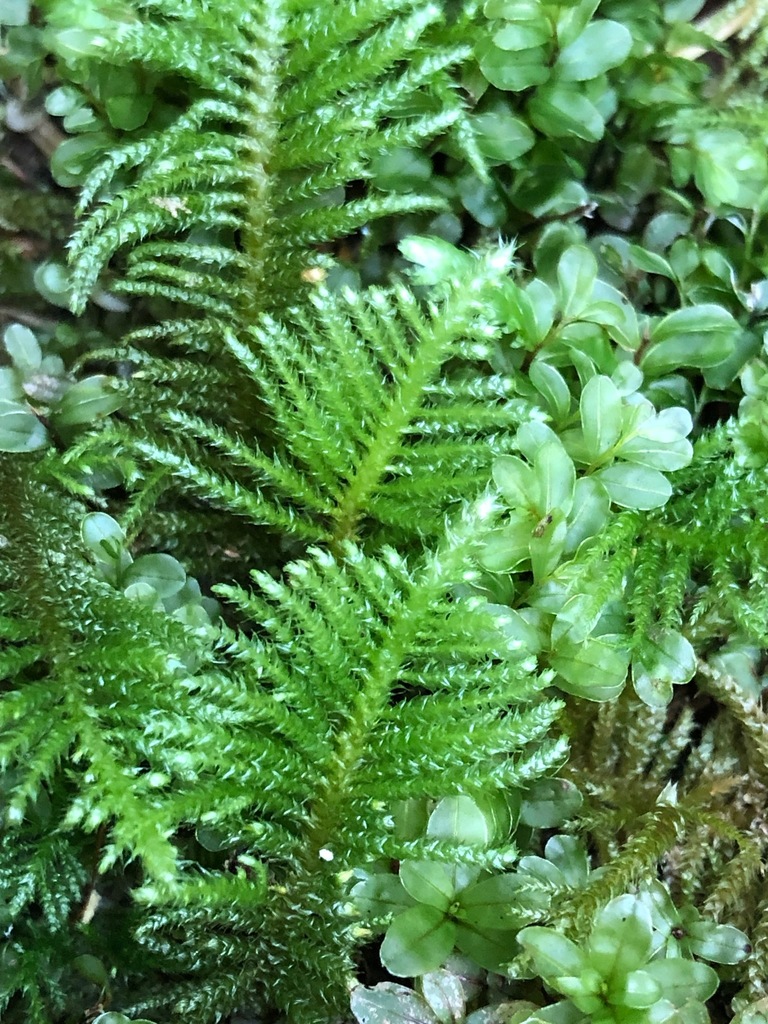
{"points": [[335, 524]]}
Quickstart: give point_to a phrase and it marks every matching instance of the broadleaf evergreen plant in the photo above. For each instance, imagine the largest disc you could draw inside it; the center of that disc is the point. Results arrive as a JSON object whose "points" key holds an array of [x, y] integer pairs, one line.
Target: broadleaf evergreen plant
{"points": [[383, 525]]}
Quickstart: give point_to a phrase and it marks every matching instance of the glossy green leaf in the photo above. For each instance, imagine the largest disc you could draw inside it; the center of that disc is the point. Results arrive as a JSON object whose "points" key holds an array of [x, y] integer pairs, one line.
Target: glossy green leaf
{"points": [[576, 274], [573, 18], [546, 544], [589, 512], [601, 416], [430, 882], [668, 658], [635, 486], [438, 260], [595, 669], [88, 400], [697, 336], [75, 156], [512, 71], [560, 110], [522, 35], [505, 549], [52, 282], [129, 112], [681, 980], [496, 903], [20, 429], [103, 535], [501, 137], [162, 572], [549, 803], [516, 481], [380, 895], [401, 170], [486, 947], [553, 954], [555, 476], [63, 100], [622, 938], [666, 456], [550, 384], [458, 819], [636, 990], [720, 943], [650, 262], [601, 46], [418, 940], [23, 348]]}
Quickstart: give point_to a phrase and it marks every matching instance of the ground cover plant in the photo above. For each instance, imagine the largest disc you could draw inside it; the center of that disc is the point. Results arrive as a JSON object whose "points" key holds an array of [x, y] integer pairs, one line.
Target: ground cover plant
{"points": [[383, 437]]}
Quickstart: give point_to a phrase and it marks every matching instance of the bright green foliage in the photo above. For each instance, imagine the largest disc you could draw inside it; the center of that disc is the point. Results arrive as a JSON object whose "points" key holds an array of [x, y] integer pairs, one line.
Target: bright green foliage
{"points": [[615, 978], [309, 100], [35, 387], [424, 507], [347, 446], [335, 750]]}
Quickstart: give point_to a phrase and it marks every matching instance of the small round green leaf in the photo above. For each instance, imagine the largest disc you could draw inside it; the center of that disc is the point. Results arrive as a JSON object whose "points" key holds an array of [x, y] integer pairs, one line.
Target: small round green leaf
{"points": [[20, 429], [559, 110], [635, 486], [162, 572], [501, 137], [553, 954], [380, 895], [458, 819], [401, 170], [636, 990], [418, 940], [430, 882], [91, 968], [487, 947], [589, 512], [103, 535], [549, 802], [550, 384], [576, 276], [52, 282], [720, 943], [622, 938], [683, 980], [23, 348], [87, 401], [556, 478], [601, 46], [512, 71], [668, 658], [601, 416], [594, 669], [64, 100], [496, 903], [437, 259], [516, 481]]}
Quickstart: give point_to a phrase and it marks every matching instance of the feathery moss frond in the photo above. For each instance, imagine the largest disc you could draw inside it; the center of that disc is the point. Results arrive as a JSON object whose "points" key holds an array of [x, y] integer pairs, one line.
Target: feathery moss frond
{"points": [[321, 697], [110, 664], [289, 107], [369, 423]]}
